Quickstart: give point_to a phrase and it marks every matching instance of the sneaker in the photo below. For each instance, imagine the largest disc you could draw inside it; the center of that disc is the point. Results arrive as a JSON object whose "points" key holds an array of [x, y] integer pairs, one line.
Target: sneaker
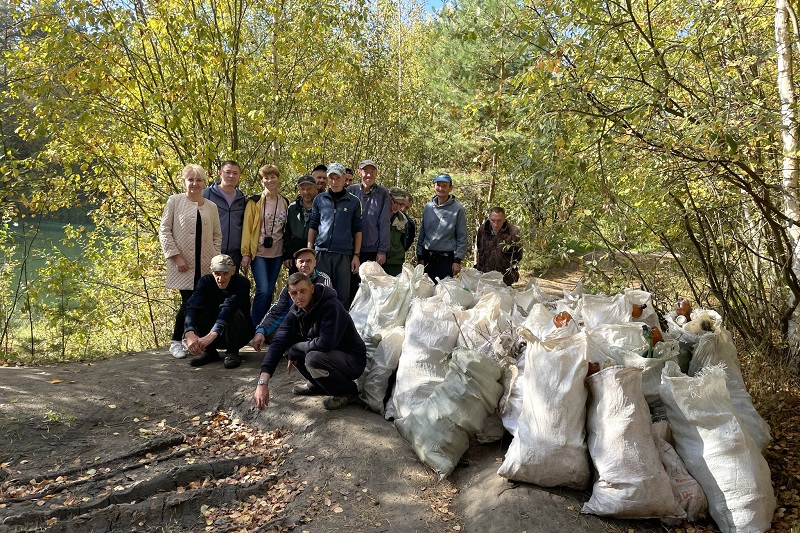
{"points": [[307, 389], [210, 355], [232, 360], [332, 403], [177, 350]]}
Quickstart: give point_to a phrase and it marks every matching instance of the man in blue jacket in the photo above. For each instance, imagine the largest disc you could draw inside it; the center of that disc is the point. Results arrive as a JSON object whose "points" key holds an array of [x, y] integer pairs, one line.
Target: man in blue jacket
{"points": [[321, 341], [334, 232], [218, 315], [376, 210], [230, 202]]}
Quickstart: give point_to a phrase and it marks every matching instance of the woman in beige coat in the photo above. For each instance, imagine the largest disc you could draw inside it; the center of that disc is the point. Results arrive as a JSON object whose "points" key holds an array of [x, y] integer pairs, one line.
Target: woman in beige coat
{"points": [[190, 236]]}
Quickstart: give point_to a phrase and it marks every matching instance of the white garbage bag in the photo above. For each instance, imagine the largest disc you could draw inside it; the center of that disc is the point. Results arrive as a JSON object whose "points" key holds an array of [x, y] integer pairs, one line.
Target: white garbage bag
{"points": [[381, 362], [631, 483], [549, 448], [719, 453], [452, 292], [440, 428], [687, 490], [541, 324], [431, 332], [524, 299], [718, 347]]}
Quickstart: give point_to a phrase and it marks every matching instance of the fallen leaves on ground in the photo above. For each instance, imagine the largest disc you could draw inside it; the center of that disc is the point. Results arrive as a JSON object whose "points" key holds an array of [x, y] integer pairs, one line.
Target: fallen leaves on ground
{"points": [[219, 437]]}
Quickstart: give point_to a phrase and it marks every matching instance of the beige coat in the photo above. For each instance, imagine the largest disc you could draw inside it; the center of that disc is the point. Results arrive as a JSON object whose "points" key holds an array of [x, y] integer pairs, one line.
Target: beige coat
{"points": [[177, 235]]}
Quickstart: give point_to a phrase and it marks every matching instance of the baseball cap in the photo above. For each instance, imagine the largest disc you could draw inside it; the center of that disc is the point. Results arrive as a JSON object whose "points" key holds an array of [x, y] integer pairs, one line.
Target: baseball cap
{"points": [[336, 168], [221, 263], [397, 193], [443, 177], [367, 163], [301, 250], [305, 178]]}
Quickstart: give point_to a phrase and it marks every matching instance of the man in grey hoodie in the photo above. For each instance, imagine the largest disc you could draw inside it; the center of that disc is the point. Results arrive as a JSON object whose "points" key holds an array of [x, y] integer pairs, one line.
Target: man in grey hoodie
{"points": [[442, 238]]}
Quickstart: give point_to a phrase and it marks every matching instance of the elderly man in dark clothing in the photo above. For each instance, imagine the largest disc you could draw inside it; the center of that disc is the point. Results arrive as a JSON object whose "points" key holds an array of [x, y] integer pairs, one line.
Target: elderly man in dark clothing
{"points": [[498, 247], [321, 341], [217, 315]]}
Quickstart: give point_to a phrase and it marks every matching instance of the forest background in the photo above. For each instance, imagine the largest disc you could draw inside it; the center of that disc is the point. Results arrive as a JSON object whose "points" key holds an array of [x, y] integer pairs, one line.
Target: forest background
{"points": [[610, 131]]}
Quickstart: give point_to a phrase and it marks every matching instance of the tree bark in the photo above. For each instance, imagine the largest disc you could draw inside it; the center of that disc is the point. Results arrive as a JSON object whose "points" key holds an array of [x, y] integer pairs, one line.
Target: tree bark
{"points": [[783, 41]]}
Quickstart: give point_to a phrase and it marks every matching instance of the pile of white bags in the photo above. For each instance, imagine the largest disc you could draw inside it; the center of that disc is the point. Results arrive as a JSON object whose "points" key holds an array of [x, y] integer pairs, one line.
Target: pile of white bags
{"points": [[471, 354]]}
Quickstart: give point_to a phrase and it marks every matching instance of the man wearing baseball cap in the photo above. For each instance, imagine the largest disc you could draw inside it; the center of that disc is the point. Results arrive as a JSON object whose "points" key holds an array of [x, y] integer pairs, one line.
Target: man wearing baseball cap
{"points": [[306, 261], [376, 210], [334, 232], [442, 238], [218, 315], [295, 232]]}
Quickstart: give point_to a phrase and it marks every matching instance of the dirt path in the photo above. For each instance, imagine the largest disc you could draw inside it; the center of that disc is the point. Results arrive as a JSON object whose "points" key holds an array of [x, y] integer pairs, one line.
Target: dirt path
{"points": [[118, 445], [143, 442]]}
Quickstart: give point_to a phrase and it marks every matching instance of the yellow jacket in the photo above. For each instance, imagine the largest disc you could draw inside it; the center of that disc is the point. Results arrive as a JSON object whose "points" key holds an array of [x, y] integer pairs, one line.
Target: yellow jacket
{"points": [[253, 212]]}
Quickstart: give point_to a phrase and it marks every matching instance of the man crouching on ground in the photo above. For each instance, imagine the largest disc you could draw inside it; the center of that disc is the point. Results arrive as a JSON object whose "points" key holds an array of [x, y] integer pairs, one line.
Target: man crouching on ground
{"points": [[321, 341], [216, 315]]}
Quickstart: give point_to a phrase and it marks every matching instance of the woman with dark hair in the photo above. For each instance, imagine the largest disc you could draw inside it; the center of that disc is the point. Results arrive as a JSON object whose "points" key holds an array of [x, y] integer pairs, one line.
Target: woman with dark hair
{"points": [[262, 239]]}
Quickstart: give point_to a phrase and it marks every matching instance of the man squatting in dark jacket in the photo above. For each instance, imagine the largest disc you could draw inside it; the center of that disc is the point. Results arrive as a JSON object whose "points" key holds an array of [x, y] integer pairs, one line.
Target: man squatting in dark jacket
{"points": [[217, 315], [321, 341]]}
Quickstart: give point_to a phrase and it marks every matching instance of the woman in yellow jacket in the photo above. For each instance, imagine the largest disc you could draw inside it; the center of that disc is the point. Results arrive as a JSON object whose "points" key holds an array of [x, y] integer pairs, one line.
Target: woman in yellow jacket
{"points": [[262, 239]]}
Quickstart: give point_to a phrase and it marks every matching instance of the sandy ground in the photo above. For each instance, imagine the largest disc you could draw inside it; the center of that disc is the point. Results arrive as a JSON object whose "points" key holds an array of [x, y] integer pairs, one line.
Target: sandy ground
{"points": [[356, 472]]}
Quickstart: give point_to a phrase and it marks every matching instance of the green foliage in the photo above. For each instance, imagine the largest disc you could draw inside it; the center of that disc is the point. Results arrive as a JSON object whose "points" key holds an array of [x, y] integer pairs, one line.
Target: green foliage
{"points": [[598, 126]]}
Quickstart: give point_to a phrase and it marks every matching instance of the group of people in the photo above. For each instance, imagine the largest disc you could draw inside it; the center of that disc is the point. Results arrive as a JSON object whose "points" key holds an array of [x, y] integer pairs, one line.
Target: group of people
{"points": [[213, 236]]}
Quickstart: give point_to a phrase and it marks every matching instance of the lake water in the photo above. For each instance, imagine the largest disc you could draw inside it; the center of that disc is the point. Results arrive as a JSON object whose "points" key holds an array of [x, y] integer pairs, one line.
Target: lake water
{"points": [[39, 237]]}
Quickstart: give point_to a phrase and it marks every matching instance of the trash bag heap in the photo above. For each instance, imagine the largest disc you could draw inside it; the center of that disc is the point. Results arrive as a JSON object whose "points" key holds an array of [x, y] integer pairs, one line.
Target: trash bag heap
{"points": [[650, 411]]}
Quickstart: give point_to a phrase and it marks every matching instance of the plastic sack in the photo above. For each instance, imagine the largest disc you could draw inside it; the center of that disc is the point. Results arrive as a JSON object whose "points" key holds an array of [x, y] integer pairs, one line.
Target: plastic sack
{"points": [[540, 324], [631, 483], [549, 448], [598, 309], [440, 428], [718, 347], [469, 278], [511, 403], [627, 336], [483, 324], [382, 301], [421, 285], [524, 300], [719, 453], [685, 488], [431, 334], [651, 368], [381, 362], [452, 292]]}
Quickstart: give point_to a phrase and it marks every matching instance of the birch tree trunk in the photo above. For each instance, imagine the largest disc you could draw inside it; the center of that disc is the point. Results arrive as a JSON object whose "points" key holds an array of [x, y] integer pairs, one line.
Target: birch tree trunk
{"points": [[783, 40]]}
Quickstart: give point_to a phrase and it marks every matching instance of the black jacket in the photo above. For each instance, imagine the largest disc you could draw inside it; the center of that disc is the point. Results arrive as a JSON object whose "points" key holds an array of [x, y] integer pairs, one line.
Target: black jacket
{"points": [[324, 327], [295, 232], [208, 300]]}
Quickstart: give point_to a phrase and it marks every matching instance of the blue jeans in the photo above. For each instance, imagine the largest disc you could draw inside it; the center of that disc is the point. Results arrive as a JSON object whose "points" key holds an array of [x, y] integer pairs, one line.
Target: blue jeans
{"points": [[265, 274]]}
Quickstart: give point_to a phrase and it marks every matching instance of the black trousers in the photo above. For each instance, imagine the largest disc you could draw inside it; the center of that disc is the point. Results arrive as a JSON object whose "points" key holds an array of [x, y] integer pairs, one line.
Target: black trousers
{"points": [[237, 333], [334, 371], [439, 264]]}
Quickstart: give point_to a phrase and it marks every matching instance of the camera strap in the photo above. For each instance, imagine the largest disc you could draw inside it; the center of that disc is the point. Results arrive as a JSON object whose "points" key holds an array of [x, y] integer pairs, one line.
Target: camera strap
{"points": [[274, 215]]}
